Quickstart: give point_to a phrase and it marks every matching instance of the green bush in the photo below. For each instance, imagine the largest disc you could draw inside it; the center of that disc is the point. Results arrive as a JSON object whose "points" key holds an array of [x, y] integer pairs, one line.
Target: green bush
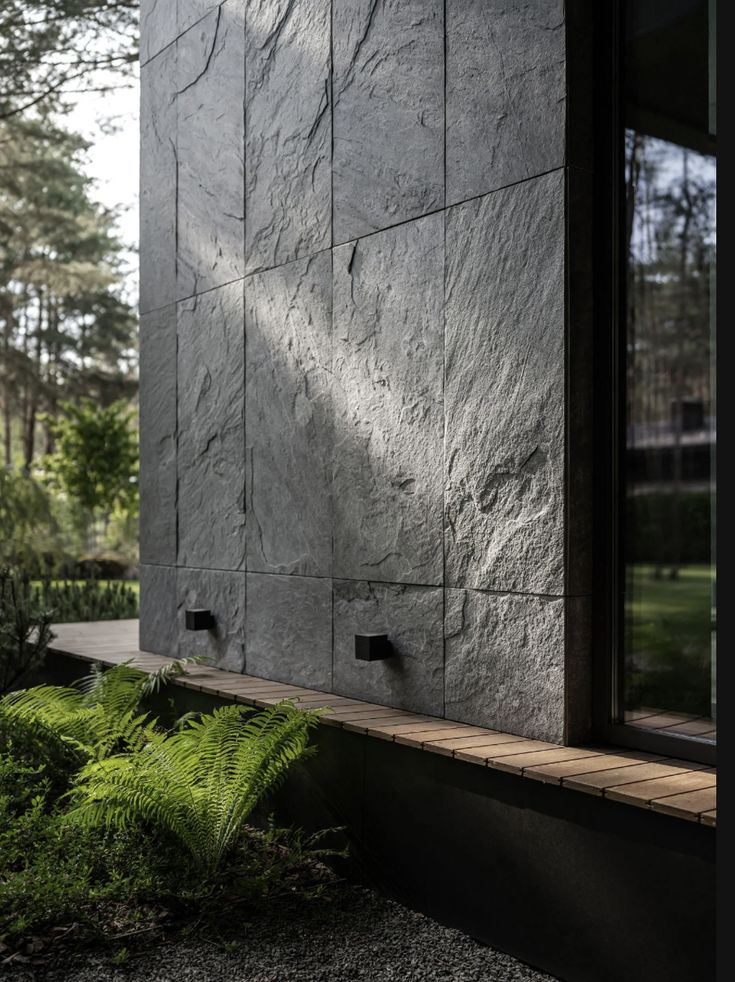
{"points": [[89, 600], [25, 630], [96, 802], [199, 784]]}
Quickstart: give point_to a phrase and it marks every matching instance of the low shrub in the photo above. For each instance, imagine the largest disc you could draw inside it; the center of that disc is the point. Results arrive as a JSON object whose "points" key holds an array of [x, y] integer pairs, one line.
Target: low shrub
{"points": [[25, 630], [89, 600], [111, 826]]}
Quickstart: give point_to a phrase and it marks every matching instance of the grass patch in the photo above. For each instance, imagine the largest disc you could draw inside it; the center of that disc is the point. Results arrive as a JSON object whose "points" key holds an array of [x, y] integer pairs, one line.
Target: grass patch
{"points": [[668, 639]]}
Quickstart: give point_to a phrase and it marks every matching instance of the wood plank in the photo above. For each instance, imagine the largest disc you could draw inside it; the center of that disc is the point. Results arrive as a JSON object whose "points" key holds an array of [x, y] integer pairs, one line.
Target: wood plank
{"points": [[709, 818], [689, 805], [555, 756], [378, 731], [643, 792], [363, 725], [597, 782], [495, 746], [439, 730], [448, 747], [601, 760]]}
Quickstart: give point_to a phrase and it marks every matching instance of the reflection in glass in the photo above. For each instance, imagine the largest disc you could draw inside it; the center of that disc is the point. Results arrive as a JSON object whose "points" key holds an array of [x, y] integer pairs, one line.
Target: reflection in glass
{"points": [[668, 466]]}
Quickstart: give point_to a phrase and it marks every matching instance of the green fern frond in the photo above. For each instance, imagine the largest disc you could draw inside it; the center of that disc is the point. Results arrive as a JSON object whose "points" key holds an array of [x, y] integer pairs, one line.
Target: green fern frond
{"points": [[163, 675], [200, 783]]}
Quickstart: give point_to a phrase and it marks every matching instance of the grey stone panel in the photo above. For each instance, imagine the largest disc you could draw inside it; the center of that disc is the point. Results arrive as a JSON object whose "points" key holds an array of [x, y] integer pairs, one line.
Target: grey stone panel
{"points": [[288, 418], [505, 663], [289, 629], [211, 92], [191, 11], [158, 181], [289, 131], [388, 355], [504, 390], [223, 593], [158, 629], [388, 113], [211, 453], [157, 396], [157, 27], [412, 678], [506, 89]]}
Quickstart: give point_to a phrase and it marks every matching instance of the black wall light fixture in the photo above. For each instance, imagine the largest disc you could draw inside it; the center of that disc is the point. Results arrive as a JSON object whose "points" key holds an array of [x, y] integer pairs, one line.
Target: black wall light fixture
{"points": [[199, 619], [372, 647]]}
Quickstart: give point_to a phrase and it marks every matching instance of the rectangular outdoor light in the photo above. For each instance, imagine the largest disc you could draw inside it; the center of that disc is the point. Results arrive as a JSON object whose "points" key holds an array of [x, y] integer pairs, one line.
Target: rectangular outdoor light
{"points": [[372, 647], [198, 619]]}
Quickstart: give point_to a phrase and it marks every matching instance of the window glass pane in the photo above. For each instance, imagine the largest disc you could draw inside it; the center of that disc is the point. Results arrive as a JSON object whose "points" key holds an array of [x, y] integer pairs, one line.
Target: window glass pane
{"points": [[668, 461]]}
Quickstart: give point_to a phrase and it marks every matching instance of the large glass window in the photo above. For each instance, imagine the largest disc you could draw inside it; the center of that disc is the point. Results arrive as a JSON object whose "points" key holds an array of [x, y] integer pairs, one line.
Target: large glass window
{"points": [[667, 461]]}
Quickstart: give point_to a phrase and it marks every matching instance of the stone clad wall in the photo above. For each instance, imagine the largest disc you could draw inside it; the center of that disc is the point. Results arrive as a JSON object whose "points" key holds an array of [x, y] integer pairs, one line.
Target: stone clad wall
{"points": [[360, 301]]}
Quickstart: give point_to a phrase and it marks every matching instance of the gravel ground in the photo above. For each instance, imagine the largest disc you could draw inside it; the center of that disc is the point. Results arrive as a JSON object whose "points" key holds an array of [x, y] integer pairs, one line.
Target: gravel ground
{"points": [[349, 933]]}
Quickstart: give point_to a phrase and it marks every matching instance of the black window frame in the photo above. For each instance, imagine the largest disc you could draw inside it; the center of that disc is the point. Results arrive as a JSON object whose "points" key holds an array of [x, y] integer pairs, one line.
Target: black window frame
{"points": [[609, 354]]}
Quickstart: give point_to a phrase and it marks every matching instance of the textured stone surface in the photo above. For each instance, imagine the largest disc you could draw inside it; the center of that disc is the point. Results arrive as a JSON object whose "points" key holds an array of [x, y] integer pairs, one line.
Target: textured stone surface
{"points": [[411, 616], [504, 390], [388, 113], [288, 418], [289, 130], [158, 181], [388, 350], [211, 454], [158, 630], [224, 594], [157, 27], [289, 629], [505, 663], [157, 396], [211, 91], [506, 89], [188, 12]]}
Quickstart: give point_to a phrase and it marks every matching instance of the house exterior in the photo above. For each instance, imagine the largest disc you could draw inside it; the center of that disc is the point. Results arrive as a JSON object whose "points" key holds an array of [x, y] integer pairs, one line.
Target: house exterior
{"points": [[365, 303], [388, 383]]}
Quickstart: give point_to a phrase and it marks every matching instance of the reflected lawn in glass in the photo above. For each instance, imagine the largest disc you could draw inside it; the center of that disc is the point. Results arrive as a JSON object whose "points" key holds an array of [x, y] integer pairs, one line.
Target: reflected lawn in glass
{"points": [[669, 626]]}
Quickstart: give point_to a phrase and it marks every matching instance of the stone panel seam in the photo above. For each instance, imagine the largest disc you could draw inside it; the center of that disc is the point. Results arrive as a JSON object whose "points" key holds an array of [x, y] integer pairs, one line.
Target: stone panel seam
{"points": [[337, 245], [352, 579], [180, 34], [455, 204]]}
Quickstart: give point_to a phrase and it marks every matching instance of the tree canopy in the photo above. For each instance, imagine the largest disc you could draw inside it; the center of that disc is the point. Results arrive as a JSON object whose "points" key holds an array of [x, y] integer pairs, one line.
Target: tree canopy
{"points": [[51, 48], [67, 329]]}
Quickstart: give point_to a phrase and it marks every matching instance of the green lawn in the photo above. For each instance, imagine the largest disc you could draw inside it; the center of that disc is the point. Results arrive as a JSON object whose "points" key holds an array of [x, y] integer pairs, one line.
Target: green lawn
{"points": [[668, 640]]}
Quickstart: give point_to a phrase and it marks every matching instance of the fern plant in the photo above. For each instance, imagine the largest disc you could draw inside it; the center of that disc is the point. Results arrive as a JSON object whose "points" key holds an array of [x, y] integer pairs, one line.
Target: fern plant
{"points": [[101, 715], [200, 783]]}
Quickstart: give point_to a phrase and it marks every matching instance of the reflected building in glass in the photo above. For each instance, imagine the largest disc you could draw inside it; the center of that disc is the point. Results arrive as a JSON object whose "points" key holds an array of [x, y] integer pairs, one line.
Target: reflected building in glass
{"points": [[668, 238]]}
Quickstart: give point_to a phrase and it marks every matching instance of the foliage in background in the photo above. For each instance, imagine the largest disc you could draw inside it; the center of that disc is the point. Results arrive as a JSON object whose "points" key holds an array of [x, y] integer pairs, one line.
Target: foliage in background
{"points": [[51, 47], [65, 328], [30, 529], [72, 601], [96, 458], [25, 630]]}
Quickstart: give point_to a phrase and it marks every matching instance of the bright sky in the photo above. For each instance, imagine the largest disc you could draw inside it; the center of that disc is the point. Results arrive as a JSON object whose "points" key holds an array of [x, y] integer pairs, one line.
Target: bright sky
{"points": [[113, 159]]}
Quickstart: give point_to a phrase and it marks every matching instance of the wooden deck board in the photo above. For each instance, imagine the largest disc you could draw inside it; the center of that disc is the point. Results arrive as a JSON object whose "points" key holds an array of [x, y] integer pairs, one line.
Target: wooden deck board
{"points": [[679, 788], [599, 782]]}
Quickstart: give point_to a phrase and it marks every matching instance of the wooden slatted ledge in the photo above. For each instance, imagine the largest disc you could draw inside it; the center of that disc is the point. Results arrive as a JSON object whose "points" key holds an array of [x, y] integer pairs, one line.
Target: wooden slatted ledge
{"points": [[675, 787]]}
